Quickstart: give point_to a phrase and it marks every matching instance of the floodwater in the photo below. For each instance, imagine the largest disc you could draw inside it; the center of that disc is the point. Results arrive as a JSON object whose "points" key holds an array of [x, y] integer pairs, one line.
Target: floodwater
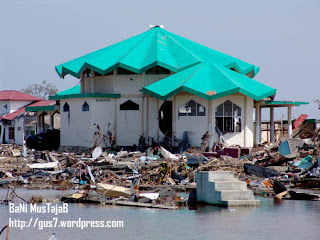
{"points": [[285, 220]]}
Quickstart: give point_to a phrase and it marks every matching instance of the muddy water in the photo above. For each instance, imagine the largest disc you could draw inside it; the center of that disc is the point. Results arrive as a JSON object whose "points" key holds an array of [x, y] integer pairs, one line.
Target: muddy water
{"points": [[285, 220]]}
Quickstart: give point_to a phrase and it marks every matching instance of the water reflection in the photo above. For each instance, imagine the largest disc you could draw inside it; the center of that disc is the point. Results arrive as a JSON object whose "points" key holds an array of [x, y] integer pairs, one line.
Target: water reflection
{"points": [[207, 209], [281, 220]]}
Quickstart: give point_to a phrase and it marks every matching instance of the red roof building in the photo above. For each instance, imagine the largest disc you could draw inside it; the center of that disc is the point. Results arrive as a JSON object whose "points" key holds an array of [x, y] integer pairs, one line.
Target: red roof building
{"points": [[14, 120], [12, 95], [20, 111]]}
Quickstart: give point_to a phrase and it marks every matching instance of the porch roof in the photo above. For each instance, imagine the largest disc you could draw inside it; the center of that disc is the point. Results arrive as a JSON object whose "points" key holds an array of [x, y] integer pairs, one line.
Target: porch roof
{"points": [[267, 104], [41, 108], [208, 81], [69, 91]]}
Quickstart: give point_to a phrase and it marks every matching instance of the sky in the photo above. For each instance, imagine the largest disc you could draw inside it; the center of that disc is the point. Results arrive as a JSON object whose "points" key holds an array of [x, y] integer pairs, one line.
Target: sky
{"points": [[281, 37]]}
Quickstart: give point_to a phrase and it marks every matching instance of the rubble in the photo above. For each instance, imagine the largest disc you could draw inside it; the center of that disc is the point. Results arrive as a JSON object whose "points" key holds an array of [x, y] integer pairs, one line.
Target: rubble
{"points": [[291, 162], [282, 192], [104, 175]]}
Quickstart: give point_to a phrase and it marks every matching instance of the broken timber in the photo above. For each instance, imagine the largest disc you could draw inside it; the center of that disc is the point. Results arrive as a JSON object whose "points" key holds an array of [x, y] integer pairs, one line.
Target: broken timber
{"points": [[260, 171], [139, 204]]}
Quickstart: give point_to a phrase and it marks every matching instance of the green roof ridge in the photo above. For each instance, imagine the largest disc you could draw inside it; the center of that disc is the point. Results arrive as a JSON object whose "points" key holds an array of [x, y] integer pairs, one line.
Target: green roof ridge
{"points": [[178, 54]]}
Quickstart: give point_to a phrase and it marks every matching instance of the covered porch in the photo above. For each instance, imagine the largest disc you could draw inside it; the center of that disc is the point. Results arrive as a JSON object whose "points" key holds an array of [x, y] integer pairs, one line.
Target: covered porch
{"points": [[272, 105], [48, 117], [207, 97]]}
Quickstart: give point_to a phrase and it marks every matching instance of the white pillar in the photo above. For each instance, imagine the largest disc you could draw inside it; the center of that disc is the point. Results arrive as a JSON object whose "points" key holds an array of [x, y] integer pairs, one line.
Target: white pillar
{"points": [[41, 123], [245, 122], [43, 120], [115, 121], [143, 105], [271, 124], [210, 117], [82, 82], [92, 81], [258, 123], [147, 116], [158, 118], [174, 116], [51, 120], [211, 123], [142, 114], [38, 124], [289, 122], [2, 131]]}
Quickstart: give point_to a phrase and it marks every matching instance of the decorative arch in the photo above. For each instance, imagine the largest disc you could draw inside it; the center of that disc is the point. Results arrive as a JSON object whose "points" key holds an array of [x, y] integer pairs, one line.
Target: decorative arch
{"points": [[85, 107], [66, 107], [129, 105], [228, 117], [192, 108]]}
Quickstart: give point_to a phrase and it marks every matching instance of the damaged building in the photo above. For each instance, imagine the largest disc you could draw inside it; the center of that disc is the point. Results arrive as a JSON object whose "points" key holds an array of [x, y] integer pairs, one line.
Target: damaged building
{"points": [[15, 122], [159, 84]]}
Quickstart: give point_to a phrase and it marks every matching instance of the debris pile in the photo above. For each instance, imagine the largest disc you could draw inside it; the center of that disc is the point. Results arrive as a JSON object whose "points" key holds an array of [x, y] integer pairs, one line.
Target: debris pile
{"points": [[294, 163], [146, 178]]}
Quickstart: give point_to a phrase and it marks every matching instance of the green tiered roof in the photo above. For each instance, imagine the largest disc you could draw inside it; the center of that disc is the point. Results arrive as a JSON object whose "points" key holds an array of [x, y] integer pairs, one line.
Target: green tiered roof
{"points": [[154, 47], [198, 69]]}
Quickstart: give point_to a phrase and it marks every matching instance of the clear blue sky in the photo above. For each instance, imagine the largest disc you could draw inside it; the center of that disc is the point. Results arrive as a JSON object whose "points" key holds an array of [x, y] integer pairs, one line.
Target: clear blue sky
{"points": [[282, 38]]}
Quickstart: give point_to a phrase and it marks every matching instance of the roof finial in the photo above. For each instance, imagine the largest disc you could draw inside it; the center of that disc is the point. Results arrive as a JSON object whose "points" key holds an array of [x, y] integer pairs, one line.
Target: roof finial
{"points": [[155, 26]]}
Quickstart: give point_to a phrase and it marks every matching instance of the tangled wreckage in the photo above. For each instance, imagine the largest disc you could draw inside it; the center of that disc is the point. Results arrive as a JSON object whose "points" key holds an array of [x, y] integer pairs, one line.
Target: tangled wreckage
{"points": [[153, 177]]}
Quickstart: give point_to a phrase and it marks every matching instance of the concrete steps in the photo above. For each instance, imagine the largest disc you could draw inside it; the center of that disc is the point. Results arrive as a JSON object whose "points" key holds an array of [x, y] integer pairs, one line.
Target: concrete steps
{"points": [[220, 176], [230, 185], [222, 188], [236, 195]]}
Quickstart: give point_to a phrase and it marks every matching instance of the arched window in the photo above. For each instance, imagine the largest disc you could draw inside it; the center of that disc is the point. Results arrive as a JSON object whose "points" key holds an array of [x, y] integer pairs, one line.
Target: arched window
{"points": [[66, 107], [85, 107], [228, 117], [129, 105], [192, 108]]}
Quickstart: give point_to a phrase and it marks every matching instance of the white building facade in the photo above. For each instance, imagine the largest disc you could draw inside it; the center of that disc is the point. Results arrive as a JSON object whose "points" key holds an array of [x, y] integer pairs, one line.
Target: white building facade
{"points": [[82, 112], [12, 116], [157, 84]]}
